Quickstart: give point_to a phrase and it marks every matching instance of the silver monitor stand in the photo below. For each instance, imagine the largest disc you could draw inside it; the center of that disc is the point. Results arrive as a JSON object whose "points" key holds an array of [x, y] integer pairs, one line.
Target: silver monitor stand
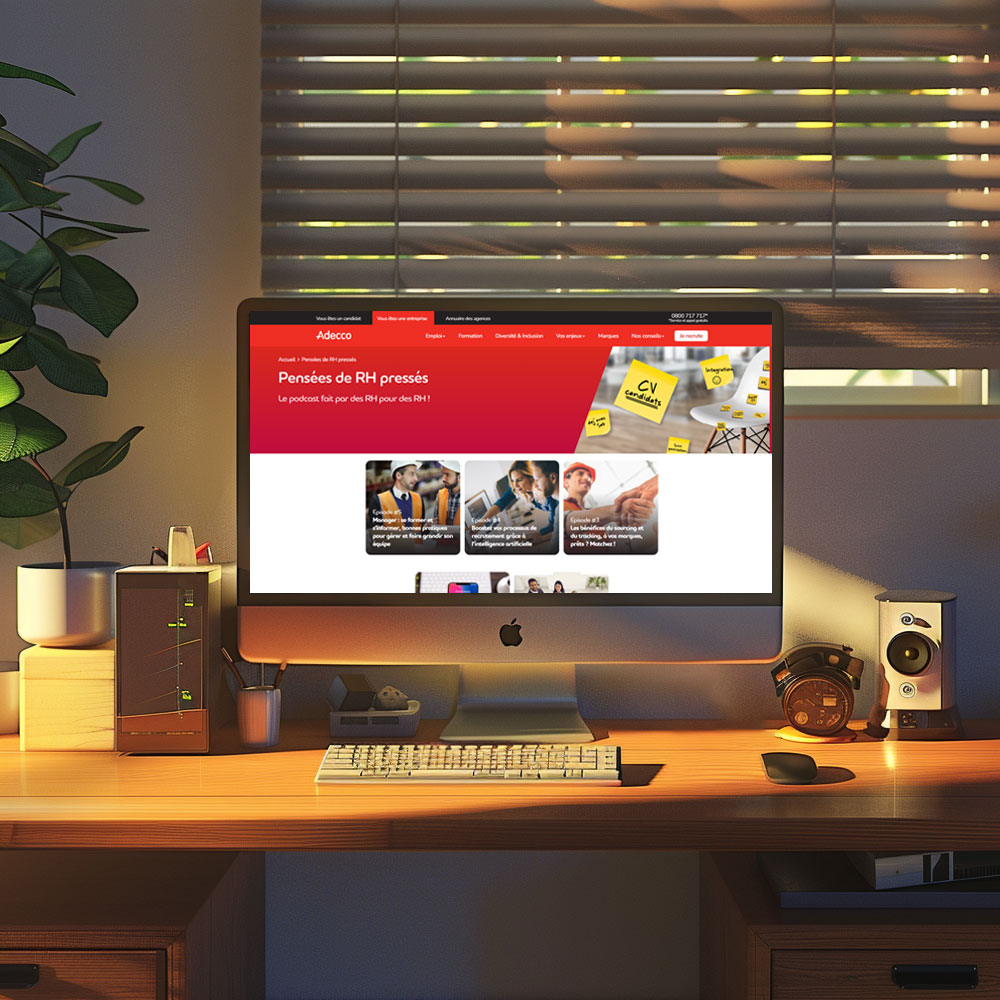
{"points": [[517, 703]]}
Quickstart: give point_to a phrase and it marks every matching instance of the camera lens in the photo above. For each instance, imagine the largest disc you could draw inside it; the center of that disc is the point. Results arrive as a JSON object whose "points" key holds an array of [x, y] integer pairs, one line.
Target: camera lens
{"points": [[909, 653]]}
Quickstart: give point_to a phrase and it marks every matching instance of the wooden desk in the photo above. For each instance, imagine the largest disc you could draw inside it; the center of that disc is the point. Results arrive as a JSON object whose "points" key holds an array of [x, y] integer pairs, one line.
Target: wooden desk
{"points": [[688, 786]]}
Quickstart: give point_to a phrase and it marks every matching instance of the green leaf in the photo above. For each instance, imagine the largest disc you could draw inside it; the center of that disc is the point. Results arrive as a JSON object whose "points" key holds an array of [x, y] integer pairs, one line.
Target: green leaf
{"points": [[46, 296], [73, 238], [15, 309], [10, 389], [9, 344], [32, 269], [112, 187], [7, 255], [15, 356], [22, 158], [64, 148], [107, 227], [20, 532], [17, 193], [25, 492], [96, 460], [24, 432], [19, 72], [63, 366], [96, 293]]}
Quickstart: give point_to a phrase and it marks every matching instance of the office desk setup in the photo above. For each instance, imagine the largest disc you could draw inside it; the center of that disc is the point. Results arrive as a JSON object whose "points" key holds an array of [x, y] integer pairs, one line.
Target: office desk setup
{"points": [[181, 838], [686, 786]]}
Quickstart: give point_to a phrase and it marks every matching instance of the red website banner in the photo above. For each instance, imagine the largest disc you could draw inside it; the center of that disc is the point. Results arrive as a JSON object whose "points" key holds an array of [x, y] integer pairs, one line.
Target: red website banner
{"points": [[455, 400], [404, 383]]}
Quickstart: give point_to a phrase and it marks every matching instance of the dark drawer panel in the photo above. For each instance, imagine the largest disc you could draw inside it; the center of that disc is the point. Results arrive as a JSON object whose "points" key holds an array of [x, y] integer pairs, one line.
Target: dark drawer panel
{"points": [[834, 974], [95, 975]]}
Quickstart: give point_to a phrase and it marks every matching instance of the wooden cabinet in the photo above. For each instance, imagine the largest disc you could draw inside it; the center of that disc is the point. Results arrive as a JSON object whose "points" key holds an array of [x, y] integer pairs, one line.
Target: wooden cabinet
{"points": [[137, 925], [753, 949]]}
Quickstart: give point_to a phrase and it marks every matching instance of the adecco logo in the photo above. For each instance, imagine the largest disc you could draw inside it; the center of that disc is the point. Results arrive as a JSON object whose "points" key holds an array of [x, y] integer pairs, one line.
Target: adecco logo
{"points": [[334, 335]]}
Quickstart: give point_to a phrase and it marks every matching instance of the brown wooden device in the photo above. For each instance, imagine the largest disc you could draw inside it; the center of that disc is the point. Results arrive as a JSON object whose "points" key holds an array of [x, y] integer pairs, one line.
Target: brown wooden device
{"points": [[170, 692]]}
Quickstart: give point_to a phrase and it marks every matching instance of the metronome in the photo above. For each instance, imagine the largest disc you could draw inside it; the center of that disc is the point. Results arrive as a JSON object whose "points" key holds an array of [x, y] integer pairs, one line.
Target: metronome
{"points": [[170, 691]]}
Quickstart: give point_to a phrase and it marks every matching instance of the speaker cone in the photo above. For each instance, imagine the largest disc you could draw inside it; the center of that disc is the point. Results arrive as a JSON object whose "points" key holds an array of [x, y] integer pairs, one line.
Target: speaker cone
{"points": [[909, 653]]}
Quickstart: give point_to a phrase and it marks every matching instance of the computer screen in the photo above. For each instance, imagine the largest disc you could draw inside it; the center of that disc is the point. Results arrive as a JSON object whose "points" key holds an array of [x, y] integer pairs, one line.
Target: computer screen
{"points": [[432, 479]]}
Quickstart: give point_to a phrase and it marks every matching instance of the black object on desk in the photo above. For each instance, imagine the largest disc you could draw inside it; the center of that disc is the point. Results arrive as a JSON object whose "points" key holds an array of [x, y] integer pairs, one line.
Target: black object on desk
{"points": [[784, 768], [351, 693]]}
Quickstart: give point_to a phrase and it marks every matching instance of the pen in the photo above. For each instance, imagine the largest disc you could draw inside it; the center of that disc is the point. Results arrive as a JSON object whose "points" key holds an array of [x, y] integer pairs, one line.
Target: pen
{"points": [[232, 666], [281, 670]]}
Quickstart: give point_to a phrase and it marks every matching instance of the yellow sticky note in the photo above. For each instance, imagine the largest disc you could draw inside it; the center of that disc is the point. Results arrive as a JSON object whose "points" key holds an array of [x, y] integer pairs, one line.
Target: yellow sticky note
{"points": [[598, 423], [646, 391], [678, 446], [763, 383], [721, 425], [717, 371], [767, 366], [751, 398], [760, 414], [738, 414], [726, 407]]}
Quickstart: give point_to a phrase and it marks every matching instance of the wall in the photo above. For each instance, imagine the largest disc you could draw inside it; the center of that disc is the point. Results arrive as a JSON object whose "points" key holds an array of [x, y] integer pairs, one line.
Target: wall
{"points": [[870, 504]]}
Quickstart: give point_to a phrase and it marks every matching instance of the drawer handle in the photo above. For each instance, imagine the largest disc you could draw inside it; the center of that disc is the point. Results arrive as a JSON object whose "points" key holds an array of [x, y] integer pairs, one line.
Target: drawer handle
{"points": [[18, 977], [935, 977]]}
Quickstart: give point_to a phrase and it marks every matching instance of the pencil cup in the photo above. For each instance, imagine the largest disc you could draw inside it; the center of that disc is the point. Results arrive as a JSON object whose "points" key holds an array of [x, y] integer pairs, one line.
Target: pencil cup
{"points": [[258, 713]]}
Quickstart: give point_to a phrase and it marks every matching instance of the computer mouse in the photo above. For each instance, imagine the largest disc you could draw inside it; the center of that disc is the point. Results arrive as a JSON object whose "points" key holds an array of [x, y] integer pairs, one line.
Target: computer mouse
{"points": [[785, 768]]}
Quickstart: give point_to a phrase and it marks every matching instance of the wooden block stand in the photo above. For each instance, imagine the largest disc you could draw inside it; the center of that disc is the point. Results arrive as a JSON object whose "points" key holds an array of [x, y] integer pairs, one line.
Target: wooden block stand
{"points": [[137, 925], [752, 948], [67, 698]]}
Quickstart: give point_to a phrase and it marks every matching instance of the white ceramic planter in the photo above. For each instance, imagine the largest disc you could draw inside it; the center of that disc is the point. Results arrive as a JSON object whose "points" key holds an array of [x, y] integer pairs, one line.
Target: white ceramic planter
{"points": [[60, 607]]}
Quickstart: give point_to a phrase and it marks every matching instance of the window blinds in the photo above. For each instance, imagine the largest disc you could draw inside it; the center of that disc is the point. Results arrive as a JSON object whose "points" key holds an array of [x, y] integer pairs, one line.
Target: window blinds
{"points": [[839, 156]]}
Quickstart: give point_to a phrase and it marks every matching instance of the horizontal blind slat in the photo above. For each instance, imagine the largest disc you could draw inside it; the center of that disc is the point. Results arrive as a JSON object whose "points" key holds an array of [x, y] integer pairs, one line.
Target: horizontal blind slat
{"points": [[629, 108], [630, 206], [764, 239], [890, 331], [613, 40], [660, 175], [649, 11], [861, 140], [659, 74], [470, 273]]}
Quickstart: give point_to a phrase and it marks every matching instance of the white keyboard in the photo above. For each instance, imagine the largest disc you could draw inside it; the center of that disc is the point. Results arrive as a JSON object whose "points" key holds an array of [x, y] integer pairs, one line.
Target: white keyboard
{"points": [[475, 763]]}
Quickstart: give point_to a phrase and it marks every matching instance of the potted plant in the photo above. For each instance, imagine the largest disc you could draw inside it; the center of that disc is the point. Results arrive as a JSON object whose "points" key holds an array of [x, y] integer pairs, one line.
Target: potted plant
{"points": [[45, 270]]}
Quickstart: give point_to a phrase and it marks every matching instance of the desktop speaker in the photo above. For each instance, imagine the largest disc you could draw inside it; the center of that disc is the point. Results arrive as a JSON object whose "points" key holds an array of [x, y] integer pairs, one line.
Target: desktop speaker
{"points": [[170, 689], [916, 642]]}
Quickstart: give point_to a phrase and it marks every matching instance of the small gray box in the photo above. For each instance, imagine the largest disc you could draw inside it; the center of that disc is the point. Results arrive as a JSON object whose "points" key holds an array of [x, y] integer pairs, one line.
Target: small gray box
{"points": [[375, 724]]}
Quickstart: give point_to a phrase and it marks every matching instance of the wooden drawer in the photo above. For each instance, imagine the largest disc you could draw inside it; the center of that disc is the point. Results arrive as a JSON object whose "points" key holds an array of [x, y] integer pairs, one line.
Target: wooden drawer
{"points": [[94, 975], [814, 974]]}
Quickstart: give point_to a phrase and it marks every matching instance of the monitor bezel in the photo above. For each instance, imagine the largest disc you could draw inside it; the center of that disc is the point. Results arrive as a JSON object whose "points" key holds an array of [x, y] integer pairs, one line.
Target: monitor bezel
{"points": [[644, 303]]}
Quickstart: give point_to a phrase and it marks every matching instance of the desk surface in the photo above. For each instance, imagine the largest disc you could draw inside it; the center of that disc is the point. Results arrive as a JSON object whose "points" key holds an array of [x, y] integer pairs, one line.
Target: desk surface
{"points": [[688, 786]]}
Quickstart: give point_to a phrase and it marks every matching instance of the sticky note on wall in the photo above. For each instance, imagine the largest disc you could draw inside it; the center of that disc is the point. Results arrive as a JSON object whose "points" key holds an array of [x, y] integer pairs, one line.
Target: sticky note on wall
{"points": [[763, 383], [598, 423], [752, 398], [678, 446], [646, 391], [717, 371]]}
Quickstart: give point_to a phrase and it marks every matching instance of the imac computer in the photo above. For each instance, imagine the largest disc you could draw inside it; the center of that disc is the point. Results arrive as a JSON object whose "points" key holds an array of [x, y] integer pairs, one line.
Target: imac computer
{"points": [[511, 485]]}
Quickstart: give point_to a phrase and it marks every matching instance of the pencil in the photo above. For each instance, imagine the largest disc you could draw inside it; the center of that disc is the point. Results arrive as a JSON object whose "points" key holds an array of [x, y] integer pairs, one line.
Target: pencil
{"points": [[232, 666]]}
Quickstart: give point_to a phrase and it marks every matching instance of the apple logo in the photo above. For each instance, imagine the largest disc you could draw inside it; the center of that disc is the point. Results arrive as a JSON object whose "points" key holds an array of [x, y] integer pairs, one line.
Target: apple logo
{"points": [[510, 635]]}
